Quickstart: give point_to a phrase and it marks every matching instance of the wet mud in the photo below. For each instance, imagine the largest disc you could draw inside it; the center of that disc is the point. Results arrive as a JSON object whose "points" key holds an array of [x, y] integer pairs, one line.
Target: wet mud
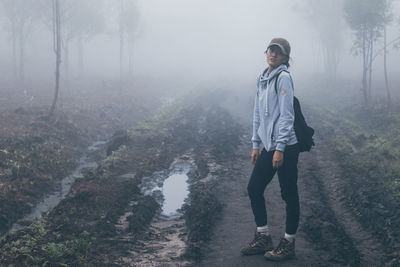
{"points": [[113, 214], [35, 155]]}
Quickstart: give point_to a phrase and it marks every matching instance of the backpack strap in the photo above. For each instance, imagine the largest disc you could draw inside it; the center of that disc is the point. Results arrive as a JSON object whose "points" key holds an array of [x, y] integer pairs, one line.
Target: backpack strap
{"points": [[277, 77]]}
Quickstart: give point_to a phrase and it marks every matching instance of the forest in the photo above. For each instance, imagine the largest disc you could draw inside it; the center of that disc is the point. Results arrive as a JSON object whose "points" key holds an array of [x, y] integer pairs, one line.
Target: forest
{"points": [[126, 129]]}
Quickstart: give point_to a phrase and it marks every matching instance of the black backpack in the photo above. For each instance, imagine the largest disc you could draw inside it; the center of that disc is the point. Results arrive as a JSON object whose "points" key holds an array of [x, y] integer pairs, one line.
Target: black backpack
{"points": [[304, 133]]}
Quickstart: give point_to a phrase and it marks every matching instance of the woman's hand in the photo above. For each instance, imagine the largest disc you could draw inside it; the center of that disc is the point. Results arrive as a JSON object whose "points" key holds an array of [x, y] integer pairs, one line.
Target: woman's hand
{"points": [[277, 159], [254, 155]]}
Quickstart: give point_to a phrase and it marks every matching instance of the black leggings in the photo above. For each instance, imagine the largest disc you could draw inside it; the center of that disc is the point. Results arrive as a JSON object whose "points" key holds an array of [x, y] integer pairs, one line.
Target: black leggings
{"points": [[263, 173]]}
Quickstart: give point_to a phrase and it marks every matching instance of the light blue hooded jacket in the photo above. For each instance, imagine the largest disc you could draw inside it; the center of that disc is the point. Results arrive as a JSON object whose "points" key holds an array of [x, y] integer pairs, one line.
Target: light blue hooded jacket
{"points": [[273, 116]]}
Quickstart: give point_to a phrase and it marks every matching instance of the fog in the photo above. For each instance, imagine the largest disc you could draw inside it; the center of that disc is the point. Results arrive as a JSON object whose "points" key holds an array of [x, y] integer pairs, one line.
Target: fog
{"points": [[225, 40], [189, 44], [125, 132], [217, 38]]}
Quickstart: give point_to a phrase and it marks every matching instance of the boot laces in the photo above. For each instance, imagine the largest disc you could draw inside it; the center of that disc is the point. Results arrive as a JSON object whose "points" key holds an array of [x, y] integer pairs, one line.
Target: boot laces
{"points": [[282, 247], [258, 239]]}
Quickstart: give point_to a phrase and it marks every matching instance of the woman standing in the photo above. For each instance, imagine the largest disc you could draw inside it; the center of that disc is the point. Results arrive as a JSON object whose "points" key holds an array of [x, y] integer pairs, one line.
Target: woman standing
{"points": [[273, 121]]}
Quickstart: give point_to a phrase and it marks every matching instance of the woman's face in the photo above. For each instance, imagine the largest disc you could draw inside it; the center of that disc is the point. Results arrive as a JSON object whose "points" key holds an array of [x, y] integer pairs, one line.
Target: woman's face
{"points": [[275, 57]]}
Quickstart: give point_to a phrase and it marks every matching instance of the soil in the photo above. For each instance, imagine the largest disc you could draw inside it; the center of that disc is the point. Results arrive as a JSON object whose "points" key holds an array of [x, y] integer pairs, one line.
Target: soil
{"points": [[107, 221], [35, 154], [329, 234], [236, 225]]}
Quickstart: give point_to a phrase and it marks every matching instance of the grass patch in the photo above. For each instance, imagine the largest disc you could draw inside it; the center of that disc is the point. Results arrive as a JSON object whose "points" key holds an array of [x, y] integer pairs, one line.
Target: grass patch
{"points": [[36, 246], [366, 146]]}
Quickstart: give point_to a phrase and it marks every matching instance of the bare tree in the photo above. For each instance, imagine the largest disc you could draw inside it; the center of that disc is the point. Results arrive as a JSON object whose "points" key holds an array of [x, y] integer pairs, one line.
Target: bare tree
{"points": [[367, 19], [81, 20], [388, 20], [121, 37], [128, 20], [324, 16], [131, 21], [19, 14], [57, 50]]}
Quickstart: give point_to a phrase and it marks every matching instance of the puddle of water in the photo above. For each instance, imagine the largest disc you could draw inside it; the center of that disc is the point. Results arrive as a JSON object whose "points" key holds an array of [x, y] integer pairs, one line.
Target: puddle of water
{"points": [[53, 199], [175, 190], [169, 188]]}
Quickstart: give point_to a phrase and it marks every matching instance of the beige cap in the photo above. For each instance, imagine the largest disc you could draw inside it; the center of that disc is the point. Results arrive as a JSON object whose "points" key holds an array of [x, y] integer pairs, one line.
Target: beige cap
{"points": [[283, 45]]}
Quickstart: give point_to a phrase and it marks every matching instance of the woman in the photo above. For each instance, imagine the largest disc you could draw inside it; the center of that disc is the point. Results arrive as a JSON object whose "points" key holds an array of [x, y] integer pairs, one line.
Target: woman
{"points": [[273, 121]]}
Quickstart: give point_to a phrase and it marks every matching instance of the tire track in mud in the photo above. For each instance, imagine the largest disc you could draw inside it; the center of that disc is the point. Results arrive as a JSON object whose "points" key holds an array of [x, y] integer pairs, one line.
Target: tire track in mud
{"points": [[176, 241], [364, 248], [163, 243], [108, 214], [319, 221], [236, 226], [329, 234]]}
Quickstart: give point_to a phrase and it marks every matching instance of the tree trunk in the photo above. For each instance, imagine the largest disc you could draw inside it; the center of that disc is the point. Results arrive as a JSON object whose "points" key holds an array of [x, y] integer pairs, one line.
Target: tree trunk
{"points": [[66, 59], [371, 52], [14, 47], [121, 40], [21, 56], [80, 56], [365, 66], [385, 69], [331, 61], [57, 50], [334, 62], [131, 57]]}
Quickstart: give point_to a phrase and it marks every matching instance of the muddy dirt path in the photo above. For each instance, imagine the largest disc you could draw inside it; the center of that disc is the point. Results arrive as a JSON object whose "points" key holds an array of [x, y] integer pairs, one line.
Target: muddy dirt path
{"points": [[236, 226], [367, 249], [329, 234], [110, 205]]}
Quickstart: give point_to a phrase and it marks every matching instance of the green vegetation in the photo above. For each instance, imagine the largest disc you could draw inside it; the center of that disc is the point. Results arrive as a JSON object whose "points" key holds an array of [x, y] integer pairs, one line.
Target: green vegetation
{"points": [[82, 227], [365, 144], [200, 217], [34, 155], [36, 246]]}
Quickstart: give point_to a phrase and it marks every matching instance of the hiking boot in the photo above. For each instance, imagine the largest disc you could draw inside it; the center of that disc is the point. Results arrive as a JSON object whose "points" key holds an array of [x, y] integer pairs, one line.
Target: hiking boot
{"points": [[260, 244], [285, 250]]}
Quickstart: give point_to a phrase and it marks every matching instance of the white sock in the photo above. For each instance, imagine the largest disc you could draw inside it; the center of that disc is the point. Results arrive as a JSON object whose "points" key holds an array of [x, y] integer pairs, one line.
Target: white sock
{"points": [[263, 230], [290, 238]]}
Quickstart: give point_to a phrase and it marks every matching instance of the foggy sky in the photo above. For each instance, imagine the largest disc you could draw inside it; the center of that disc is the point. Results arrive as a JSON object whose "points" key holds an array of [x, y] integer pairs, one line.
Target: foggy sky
{"points": [[215, 38], [225, 40], [199, 41]]}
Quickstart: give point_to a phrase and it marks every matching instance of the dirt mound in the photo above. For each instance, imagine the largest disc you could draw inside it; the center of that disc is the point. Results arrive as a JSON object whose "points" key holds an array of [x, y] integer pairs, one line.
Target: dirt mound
{"points": [[101, 199], [35, 153]]}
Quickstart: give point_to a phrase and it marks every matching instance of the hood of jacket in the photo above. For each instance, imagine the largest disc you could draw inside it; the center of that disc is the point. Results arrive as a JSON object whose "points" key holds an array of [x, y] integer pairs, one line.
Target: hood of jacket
{"points": [[265, 76]]}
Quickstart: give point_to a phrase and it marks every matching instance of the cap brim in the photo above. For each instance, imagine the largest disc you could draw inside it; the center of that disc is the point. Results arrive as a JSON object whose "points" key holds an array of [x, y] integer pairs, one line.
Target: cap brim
{"points": [[280, 46]]}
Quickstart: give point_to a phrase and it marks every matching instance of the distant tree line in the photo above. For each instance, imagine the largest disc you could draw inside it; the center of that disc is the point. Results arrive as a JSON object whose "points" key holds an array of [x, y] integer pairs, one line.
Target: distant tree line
{"points": [[82, 20], [368, 20], [68, 21]]}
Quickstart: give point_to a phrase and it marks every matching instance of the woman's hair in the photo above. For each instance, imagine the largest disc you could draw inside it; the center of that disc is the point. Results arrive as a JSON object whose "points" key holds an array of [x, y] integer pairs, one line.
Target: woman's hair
{"points": [[287, 62]]}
